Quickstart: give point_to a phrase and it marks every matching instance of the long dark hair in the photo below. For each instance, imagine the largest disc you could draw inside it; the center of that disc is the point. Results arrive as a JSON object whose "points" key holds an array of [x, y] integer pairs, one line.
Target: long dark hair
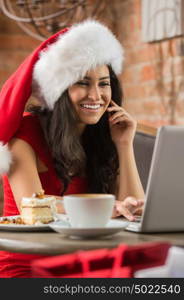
{"points": [[93, 154]]}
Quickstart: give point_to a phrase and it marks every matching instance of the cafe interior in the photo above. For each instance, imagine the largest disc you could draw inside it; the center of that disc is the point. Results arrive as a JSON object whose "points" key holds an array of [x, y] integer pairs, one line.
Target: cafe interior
{"points": [[152, 79]]}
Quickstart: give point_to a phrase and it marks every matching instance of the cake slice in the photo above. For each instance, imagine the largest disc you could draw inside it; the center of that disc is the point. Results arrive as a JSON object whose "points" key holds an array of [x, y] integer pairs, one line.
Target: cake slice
{"points": [[36, 209]]}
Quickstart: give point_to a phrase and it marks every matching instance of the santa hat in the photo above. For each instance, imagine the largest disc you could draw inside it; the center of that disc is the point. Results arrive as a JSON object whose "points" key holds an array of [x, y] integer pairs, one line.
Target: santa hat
{"points": [[55, 65]]}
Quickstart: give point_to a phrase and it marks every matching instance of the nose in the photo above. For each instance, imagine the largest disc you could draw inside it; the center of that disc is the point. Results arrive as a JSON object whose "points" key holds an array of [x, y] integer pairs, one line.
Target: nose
{"points": [[94, 93]]}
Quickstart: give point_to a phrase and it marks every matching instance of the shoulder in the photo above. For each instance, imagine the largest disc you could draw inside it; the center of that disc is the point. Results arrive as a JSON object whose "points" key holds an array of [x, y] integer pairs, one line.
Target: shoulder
{"points": [[22, 143], [20, 148], [30, 139]]}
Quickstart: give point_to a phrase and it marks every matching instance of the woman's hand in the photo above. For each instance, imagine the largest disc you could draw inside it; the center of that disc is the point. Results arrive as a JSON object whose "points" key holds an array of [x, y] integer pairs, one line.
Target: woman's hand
{"points": [[129, 208], [122, 125]]}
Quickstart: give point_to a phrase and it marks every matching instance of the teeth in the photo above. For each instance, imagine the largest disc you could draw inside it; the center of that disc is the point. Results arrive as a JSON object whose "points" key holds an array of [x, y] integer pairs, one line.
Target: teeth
{"points": [[91, 106]]}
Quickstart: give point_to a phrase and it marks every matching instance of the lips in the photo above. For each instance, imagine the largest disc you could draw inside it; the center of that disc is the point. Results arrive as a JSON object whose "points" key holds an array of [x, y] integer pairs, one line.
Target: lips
{"points": [[91, 106]]}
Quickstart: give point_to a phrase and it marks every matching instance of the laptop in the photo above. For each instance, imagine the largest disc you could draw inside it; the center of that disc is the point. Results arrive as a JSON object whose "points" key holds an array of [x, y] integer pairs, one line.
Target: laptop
{"points": [[164, 197]]}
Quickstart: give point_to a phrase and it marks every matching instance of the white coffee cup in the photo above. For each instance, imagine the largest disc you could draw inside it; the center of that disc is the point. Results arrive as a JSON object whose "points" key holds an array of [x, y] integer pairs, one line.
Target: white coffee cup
{"points": [[89, 210]]}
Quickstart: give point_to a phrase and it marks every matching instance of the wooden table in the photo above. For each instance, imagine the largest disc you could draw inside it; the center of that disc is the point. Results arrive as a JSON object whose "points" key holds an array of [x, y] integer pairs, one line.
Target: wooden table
{"points": [[51, 243]]}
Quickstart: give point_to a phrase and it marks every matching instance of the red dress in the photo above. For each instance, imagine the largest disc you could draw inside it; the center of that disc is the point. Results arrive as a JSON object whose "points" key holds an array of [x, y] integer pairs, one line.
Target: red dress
{"points": [[17, 264]]}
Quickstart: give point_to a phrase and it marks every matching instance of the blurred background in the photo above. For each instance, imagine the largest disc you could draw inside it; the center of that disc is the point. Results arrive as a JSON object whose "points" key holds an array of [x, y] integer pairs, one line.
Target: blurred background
{"points": [[151, 33]]}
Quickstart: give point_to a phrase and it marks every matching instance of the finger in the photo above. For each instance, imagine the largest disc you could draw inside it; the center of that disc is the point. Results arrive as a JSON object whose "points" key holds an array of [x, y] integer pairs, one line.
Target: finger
{"points": [[138, 212], [122, 119], [130, 201], [140, 202], [115, 214], [113, 103], [113, 108], [115, 211], [115, 115], [126, 213], [126, 118], [118, 111]]}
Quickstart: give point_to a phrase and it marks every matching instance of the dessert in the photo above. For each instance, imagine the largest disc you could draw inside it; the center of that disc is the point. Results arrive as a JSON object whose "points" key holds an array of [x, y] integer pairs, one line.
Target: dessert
{"points": [[7, 220], [38, 209]]}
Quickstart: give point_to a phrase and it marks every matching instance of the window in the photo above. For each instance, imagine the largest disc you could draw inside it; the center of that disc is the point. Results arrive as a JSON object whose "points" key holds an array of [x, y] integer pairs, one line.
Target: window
{"points": [[162, 19]]}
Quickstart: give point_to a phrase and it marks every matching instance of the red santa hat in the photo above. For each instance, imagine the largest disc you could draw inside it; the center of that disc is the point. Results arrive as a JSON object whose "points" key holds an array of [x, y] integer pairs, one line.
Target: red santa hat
{"points": [[55, 65]]}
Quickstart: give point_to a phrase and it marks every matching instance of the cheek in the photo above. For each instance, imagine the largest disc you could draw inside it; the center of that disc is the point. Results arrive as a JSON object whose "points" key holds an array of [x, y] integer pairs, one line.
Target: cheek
{"points": [[76, 95], [107, 96], [108, 93]]}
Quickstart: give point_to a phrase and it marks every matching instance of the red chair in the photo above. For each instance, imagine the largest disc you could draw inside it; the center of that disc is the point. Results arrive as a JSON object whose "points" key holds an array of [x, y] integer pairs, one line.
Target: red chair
{"points": [[120, 262]]}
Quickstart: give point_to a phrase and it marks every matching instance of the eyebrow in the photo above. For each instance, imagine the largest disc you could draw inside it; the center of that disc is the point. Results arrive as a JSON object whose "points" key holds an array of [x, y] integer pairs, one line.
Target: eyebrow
{"points": [[102, 78]]}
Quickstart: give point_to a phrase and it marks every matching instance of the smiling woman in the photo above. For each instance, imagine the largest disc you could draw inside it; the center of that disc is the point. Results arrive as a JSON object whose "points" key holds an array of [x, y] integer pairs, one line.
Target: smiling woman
{"points": [[77, 109], [79, 139]]}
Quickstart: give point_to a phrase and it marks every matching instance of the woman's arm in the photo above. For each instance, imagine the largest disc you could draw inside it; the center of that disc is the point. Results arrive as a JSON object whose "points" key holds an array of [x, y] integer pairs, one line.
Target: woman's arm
{"points": [[129, 191], [23, 176], [129, 183], [129, 187]]}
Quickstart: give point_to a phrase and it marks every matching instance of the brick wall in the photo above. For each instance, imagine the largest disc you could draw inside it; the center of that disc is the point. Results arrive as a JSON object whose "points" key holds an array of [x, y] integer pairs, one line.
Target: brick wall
{"points": [[15, 45], [153, 78]]}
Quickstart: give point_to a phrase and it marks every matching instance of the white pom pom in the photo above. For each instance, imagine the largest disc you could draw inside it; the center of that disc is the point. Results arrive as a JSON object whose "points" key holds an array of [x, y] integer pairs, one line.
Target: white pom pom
{"points": [[5, 158]]}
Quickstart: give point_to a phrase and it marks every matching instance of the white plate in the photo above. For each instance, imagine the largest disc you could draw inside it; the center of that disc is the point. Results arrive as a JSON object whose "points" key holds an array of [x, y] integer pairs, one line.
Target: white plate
{"points": [[22, 227], [64, 228]]}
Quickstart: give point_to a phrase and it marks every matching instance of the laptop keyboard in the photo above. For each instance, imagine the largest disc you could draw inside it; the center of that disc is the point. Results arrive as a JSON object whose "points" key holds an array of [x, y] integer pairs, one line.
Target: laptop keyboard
{"points": [[137, 219], [135, 225]]}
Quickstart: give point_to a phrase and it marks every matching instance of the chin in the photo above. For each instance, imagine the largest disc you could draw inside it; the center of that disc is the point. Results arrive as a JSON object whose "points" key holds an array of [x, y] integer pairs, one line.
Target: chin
{"points": [[91, 121]]}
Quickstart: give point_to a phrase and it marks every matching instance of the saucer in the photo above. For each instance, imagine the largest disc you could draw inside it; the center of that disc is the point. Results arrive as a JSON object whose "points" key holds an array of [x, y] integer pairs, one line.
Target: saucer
{"points": [[113, 226]]}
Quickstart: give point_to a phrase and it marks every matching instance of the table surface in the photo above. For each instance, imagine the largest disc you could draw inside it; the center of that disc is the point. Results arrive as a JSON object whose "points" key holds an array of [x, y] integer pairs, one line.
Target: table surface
{"points": [[52, 243]]}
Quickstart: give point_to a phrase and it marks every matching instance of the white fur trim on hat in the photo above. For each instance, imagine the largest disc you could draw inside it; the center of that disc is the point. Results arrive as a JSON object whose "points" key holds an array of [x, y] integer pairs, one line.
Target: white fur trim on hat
{"points": [[85, 46], [5, 158]]}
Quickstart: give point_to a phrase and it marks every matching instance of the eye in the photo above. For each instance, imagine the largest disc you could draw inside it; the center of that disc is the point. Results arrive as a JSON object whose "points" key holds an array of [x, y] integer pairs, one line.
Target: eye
{"points": [[104, 83], [82, 83]]}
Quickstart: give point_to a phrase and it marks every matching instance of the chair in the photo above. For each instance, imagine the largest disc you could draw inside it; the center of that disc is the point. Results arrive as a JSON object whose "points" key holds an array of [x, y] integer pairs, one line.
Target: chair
{"points": [[143, 150]]}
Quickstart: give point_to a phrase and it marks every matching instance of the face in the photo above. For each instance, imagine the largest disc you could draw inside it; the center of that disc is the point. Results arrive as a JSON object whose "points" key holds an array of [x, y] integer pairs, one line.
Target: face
{"points": [[91, 95]]}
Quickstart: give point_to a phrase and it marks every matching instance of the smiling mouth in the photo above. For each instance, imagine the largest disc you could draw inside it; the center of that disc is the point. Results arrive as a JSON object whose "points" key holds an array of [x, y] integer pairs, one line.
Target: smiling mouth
{"points": [[94, 107]]}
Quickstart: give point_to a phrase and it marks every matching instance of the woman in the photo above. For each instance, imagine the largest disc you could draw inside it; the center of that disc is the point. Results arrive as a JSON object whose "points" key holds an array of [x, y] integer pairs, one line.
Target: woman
{"points": [[79, 139]]}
